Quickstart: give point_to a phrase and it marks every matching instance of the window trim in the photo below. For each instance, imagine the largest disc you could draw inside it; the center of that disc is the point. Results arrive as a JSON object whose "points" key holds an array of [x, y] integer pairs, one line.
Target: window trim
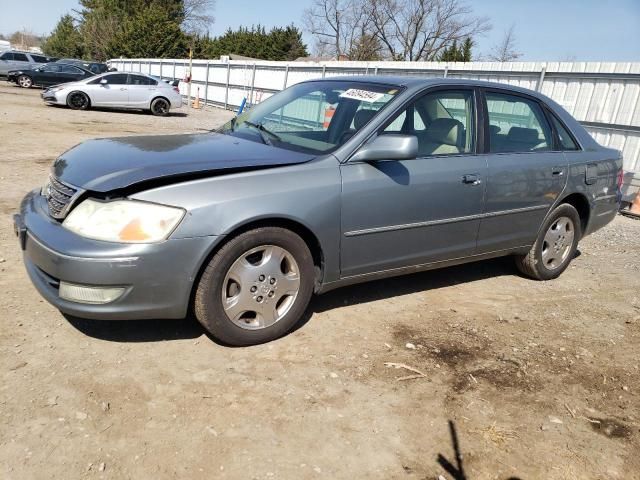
{"points": [[551, 116], [477, 140], [543, 107]]}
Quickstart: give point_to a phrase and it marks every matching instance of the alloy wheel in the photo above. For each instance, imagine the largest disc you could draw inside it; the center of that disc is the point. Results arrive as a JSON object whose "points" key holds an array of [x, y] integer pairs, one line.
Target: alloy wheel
{"points": [[25, 81], [160, 107]]}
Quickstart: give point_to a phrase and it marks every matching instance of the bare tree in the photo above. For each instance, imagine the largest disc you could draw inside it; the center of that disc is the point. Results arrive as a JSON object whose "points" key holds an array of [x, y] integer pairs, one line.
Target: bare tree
{"points": [[25, 39], [198, 15], [420, 29], [505, 51], [338, 26]]}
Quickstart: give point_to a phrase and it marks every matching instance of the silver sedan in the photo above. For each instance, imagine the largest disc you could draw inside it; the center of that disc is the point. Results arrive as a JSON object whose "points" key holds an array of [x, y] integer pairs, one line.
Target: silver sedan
{"points": [[116, 90]]}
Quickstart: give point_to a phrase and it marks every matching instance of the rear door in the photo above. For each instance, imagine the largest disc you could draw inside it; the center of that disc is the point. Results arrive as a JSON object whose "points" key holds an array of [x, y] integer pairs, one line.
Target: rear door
{"points": [[141, 90], [21, 61], [526, 173], [397, 214], [114, 93]]}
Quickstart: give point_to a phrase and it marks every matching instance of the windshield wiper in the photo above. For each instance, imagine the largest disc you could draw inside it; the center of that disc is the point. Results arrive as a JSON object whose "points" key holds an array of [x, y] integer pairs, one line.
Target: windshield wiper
{"points": [[265, 133]]}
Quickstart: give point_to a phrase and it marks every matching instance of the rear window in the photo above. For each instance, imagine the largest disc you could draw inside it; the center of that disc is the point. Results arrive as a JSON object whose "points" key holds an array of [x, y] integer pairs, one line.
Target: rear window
{"points": [[565, 138], [39, 58]]}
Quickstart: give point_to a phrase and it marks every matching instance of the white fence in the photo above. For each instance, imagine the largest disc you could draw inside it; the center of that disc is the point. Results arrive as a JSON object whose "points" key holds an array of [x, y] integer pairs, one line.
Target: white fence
{"points": [[604, 97]]}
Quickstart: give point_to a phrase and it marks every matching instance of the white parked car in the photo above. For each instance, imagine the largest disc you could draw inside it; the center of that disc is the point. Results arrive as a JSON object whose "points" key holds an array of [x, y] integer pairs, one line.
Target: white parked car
{"points": [[116, 90]]}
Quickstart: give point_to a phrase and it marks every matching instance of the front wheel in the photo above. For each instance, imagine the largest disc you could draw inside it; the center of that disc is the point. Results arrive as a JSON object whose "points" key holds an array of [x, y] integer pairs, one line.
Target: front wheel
{"points": [[160, 107], [25, 81], [78, 101], [555, 246], [256, 287]]}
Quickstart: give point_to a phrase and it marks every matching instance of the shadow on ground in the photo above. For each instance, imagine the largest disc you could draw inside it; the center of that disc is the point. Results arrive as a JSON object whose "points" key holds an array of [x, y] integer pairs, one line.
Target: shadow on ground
{"points": [[455, 467], [164, 330]]}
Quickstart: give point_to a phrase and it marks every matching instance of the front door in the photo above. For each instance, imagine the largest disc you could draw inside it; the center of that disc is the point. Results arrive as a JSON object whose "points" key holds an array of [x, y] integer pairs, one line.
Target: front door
{"points": [[526, 173], [112, 94], [401, 213]]}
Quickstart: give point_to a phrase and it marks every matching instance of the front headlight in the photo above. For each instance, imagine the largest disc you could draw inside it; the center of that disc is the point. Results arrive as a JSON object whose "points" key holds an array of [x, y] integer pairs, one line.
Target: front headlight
{"points": [[126, 221], [54, 89]]}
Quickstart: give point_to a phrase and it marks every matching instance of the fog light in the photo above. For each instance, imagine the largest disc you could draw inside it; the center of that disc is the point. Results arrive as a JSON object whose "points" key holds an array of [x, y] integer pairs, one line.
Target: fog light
{"points": [[84, 294]]}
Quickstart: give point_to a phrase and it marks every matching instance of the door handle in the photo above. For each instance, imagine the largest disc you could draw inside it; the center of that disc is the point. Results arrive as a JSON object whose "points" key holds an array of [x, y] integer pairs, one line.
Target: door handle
{"points": [[559, 171], [471, 179], [122, 89]]}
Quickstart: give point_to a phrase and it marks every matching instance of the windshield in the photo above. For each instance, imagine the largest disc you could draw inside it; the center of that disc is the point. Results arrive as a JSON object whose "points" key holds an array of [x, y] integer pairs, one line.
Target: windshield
{"points": [[312, 117]]}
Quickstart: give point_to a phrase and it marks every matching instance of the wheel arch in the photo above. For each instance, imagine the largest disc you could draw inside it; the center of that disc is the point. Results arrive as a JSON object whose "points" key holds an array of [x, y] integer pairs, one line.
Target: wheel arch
{"points": [[581, 204], [304, 232]]}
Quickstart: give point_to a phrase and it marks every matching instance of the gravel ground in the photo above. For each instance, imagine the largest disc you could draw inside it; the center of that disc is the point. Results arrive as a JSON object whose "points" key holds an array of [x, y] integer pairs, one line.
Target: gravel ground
{"points": [[536, 379]]}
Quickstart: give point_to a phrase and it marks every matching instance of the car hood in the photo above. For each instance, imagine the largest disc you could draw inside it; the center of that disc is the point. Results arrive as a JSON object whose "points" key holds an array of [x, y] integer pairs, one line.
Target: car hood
{"points": [[115, 163]]}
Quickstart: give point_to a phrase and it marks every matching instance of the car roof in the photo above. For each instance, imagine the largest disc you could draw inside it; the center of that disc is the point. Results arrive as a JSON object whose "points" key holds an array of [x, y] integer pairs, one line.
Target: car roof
{"points": [[416, 82]]}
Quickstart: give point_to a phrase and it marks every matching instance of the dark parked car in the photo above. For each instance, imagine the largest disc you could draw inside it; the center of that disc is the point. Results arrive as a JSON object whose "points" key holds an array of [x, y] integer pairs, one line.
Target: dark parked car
{"points": [[95, 67], [328, 183], [49, 74]]}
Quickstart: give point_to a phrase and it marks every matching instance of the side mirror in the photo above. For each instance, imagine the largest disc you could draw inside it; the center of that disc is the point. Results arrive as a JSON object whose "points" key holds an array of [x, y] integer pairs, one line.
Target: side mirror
{"points": [[103, 81], [388, 147]]}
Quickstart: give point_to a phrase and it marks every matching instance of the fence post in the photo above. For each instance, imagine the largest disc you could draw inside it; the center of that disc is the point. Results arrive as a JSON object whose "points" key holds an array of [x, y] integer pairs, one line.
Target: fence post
{"points": [[446, 71], [324, 70], [253, 82], [226, 92], [375, 72], [161, 63], [541, 79], [206, 86], [174, 69], [286, 76], [149, 67]]}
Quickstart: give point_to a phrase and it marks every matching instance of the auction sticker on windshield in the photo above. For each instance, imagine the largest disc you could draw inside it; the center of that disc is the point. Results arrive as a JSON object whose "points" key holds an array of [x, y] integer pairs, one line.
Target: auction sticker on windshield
{"points": [[362, 95]]}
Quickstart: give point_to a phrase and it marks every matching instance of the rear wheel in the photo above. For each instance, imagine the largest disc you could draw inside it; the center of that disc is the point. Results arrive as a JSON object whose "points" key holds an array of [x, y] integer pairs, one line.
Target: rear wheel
{"points": [[555, 246], [78, 101], [160, 107], [256, 288], [25, 81]]}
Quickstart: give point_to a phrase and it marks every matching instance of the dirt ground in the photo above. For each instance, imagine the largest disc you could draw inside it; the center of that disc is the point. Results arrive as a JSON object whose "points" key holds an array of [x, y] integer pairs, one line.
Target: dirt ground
{"points": [[528, 380]]}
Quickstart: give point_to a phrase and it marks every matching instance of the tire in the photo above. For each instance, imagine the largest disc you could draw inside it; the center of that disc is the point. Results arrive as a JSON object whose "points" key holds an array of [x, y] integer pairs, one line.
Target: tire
{"points": [[160, 107], [25, 81], [237, 299], [78, 101], [555, 246]]}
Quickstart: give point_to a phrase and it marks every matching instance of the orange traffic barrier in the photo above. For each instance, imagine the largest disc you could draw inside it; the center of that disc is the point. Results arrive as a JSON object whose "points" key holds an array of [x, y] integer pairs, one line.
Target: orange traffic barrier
{"points": [[635, 206], [196, 101], [328, 115]]}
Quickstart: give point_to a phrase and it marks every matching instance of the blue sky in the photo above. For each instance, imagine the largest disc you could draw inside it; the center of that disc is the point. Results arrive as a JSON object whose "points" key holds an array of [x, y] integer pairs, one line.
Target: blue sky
{"points": [[593, 30]]}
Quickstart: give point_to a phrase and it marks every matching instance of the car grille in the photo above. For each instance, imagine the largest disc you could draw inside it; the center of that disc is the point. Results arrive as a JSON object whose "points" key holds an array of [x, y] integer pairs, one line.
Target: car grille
{"points": [[59, 197]]}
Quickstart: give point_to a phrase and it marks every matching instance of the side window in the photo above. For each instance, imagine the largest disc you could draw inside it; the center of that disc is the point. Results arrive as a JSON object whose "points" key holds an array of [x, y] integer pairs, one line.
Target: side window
{"points": [[52, 67], [401, 124], [116, 79], [70, 69], [20, 57], [8, 56], [566, 141], [39, 58], [442, 121], [516, 124], [140, 80]]}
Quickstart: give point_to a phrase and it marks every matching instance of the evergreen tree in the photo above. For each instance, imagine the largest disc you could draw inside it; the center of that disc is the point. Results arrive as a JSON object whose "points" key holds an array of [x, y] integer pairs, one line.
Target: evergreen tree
{"points": [[152, 32], [65, 40], [466, 50]]}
